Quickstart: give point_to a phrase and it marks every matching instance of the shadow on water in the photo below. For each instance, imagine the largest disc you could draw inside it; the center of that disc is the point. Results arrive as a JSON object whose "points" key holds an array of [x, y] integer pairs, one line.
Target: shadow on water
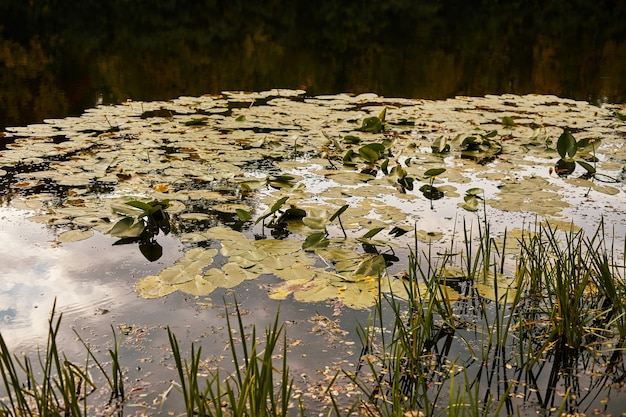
{"points": [[58, 60]]}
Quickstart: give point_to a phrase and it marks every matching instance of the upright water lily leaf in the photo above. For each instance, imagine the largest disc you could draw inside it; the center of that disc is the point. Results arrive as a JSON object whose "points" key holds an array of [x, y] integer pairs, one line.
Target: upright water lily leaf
{"points": [[400, 230], [433, 172], [338, 212], [399, 171], [475, 191], [126, 227], [440, 145], [315, 241], [372, 232], [406, 183], [384, 166], [292, 213], [351, 139], [566, 145], [243, 215], [470, 203], [147, 208], [280, 181], [588, 143], [507, 121], [278, 204], [370, 266], [372, 124], [275, 207], [347, 158], [382, 114], [371, 152]]}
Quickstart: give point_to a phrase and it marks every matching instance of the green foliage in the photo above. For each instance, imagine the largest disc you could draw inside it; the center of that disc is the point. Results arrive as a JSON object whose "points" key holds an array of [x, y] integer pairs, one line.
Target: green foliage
{"points": [[429, 190], [243, 215], [143, 223], [371, 152], [584, 150], [507, 121], [315, 241], [374, 124], [151, 218], [440, 145], [550, 319], [566, 145], [251, 390]]}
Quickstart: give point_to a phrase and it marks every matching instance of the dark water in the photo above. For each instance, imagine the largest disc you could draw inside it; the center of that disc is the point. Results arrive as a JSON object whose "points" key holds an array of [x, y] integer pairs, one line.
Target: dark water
{"points": [[59, 57]]}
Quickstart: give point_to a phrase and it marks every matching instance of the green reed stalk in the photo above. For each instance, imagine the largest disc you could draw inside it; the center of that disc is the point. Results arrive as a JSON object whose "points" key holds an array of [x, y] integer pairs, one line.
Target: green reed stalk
{"points": [[250, 389], [188, 376], [62, 389]]}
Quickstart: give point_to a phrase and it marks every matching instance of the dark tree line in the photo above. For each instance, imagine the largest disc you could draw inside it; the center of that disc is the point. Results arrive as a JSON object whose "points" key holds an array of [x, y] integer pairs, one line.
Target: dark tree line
{"points": [[73, 51]]}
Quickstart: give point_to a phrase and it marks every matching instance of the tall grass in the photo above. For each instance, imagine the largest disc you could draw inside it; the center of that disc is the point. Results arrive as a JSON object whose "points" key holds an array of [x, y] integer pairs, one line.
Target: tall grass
{"points": [[61, 390], [564, 310], [252, 389]]}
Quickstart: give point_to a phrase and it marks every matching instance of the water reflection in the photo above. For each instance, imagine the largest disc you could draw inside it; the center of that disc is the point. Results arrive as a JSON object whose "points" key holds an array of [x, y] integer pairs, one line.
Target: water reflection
{"points": [[57, 60], [85, 279], [92, 284]]}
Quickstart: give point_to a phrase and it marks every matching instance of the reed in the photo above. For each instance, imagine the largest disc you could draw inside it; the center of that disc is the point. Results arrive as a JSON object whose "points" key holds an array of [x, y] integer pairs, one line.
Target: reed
{"points": [[61, 390], [252, 389]]}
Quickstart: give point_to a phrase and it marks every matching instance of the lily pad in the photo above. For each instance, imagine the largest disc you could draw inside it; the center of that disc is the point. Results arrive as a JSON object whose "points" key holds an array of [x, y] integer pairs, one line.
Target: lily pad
{"points": [[74, 235], [152, 287]]}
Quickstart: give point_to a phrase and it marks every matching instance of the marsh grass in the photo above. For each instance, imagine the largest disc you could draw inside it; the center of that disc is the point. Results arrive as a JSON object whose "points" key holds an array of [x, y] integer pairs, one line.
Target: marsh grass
{"points": [[561, 315], [50, 386], [252, 389], [552, 340]]}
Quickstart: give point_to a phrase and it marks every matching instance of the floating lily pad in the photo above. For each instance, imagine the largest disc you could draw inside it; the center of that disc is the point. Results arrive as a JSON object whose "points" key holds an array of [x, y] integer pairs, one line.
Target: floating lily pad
{"points": [[152, 287], [230, 208], [274, 156], [428, 237], [74, 235]]}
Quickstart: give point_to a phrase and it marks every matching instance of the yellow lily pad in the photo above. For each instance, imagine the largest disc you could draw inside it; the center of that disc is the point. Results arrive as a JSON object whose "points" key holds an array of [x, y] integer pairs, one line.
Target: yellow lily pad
{"points": [[152, 287], [75, 235]]}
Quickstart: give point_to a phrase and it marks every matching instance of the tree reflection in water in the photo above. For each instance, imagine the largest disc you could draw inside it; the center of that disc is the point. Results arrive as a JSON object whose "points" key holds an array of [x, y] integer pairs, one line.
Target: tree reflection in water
{"points": [[58, 59]]}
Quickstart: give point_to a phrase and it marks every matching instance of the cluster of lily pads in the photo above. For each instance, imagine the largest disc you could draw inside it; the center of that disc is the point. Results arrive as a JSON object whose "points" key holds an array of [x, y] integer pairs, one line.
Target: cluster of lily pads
{"points": [[216, 171]]}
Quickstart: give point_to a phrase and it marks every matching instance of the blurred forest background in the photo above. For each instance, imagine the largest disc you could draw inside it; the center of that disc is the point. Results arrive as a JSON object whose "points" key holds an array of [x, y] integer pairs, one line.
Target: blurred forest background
{"points": [[58, 57]]}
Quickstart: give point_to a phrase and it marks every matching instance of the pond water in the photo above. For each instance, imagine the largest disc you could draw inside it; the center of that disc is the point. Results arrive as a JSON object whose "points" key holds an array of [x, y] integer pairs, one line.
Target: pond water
{"points": [[67, 185], [70, 162]]}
